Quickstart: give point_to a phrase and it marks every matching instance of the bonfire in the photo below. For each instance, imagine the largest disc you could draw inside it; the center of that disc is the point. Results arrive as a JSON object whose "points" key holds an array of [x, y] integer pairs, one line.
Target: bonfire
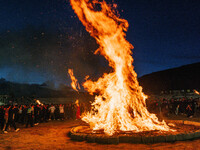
{"points": [[120, 104]]}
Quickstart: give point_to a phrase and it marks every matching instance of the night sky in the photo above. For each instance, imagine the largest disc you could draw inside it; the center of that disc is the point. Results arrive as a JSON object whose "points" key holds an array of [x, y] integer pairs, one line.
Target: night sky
{"points": [[41, 39]]}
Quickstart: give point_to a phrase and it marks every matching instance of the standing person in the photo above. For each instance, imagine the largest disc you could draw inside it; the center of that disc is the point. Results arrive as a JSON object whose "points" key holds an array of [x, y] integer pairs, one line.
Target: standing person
{"points": [[62, 112], [57, 112], [42, 113], [66, 108], [74, 110], [47, 117], [6, 110], [36, 114], [189, 111], [11, 119], [20, 114], [177, 110], [52, 110], [24, 114], [2, 112], [45, 113], [70, 111], [30, 112], [195, 107], [16, 112], [78, 111]]}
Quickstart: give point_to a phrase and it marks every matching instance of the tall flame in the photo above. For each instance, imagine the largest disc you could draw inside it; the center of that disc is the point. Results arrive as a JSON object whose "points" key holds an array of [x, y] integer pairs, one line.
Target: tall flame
{"points": [[74, 82], [120, 103]]}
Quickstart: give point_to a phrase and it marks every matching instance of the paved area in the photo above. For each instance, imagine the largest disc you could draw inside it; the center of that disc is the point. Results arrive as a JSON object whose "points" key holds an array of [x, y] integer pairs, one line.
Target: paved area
{"points": [[53, 136]]}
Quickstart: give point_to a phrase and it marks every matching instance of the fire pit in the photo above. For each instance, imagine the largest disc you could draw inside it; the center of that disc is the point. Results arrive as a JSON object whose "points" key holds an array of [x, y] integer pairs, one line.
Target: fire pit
{"points": [[119, 107], [185, 130]]}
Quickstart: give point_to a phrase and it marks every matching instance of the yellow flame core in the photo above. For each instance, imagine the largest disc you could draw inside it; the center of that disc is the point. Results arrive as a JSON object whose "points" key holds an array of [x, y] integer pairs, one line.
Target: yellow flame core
{"points": [[120, 104], [74, 82]]}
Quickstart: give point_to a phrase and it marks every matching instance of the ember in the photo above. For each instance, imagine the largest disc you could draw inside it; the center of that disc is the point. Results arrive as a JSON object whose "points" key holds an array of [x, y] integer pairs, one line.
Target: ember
{"points": [[195, 91], [121, 104]]}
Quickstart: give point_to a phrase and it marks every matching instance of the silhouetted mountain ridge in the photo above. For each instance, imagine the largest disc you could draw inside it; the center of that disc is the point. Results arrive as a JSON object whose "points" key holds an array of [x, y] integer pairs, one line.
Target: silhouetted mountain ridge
{"points": [[180, 78], [32, 90]]}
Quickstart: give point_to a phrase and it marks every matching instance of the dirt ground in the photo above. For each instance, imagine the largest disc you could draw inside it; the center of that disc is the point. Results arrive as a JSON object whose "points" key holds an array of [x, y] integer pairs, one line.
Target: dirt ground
{"points": [[53, 136]]}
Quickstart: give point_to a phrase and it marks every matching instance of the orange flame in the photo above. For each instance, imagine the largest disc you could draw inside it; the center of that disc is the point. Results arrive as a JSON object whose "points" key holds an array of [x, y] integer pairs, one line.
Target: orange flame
{"points": [[74, 82], [195, 91], [38, 102], [121, 104]]}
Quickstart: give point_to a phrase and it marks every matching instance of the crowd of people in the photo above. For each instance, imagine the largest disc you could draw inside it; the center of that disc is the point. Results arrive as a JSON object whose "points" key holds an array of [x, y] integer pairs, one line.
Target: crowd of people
{"points": [[30, 115], [180, 106], [33, 114]]}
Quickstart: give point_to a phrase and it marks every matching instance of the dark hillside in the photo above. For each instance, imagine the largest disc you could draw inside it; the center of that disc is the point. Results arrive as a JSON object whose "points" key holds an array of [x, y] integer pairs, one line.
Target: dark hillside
{"points": [[181, 78]]}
